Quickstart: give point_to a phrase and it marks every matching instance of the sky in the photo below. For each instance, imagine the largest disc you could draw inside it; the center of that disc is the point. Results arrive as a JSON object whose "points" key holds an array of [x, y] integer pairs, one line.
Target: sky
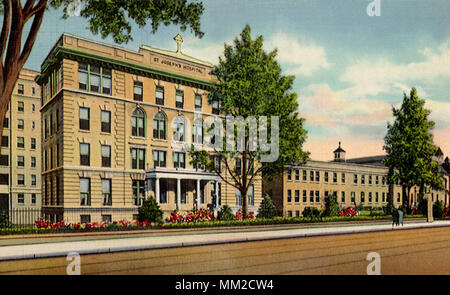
{"points": [[350, 68]]}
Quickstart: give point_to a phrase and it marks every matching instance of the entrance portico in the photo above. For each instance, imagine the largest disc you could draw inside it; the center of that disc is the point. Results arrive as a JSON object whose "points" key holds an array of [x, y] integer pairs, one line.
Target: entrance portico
{"points": [[183, 183]]}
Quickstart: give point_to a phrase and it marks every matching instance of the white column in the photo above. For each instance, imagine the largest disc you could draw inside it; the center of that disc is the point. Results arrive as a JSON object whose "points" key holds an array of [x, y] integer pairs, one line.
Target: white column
{"points": [[178, 193], [216, 190], [198, 194], [157, 190]]}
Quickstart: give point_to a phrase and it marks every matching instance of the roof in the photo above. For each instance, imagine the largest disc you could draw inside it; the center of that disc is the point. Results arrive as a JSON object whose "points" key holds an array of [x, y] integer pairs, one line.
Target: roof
{"points": [[339, 149], [371, 160]]}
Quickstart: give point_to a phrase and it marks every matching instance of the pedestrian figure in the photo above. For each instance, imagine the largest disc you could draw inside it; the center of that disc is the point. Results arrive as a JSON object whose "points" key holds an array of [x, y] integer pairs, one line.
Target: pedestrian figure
{"points": [[400, 217]]}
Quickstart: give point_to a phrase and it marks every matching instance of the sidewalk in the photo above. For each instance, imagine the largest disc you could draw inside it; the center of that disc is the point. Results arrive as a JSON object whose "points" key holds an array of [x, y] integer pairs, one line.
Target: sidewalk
{"points": [[52, 249]]}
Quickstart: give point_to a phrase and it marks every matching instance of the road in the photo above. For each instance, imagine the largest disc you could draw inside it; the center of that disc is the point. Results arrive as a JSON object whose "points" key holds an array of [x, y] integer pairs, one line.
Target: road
{"points": [[418, 251]]}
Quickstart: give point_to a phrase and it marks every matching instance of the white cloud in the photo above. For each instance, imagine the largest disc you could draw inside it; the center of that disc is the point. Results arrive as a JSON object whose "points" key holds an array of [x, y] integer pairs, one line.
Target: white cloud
{"points": [[299, 57], [372, 77]]}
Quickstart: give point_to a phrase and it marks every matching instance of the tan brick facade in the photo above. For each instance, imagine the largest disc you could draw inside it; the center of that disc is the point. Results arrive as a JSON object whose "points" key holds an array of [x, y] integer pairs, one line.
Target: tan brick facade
{"points": [[131, 139]]}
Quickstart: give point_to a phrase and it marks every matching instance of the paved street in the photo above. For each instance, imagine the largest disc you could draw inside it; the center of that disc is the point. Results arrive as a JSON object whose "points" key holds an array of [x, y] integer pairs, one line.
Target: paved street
{"points": [[413, 251]]}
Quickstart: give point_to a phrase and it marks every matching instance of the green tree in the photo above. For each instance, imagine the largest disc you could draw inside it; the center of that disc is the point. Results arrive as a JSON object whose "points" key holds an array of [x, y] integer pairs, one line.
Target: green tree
{"points": [[109, 18], [251, 85], [225, 213], [150, 211], [267, 208], [331, 206], [438, 209], [410, 148]]}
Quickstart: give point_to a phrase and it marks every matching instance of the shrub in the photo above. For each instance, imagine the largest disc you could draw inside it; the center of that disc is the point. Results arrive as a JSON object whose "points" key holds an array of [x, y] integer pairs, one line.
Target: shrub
{"points": [[388, 209], [225, 213], [267, 208], [4, 220], [331, 206], [438, 209], [311, 212], [150, 211]]}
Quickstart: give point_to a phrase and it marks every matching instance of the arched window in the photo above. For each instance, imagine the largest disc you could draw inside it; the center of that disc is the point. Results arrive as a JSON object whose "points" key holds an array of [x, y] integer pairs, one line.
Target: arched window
{"points": [[160, 126], [179, 128], [138, 123]]}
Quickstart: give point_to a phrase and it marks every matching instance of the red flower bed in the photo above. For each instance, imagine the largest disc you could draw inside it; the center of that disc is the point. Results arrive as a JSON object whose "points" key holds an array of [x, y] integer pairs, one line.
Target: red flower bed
{"points": [[348, 212], [239, 215], [446, 211], [196, 216]]}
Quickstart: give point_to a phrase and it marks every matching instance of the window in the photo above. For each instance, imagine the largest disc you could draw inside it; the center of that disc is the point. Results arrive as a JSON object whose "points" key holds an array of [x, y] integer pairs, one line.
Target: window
{"points": [[297, 196], [138, 192], [106, 121], [57, 120], [311, 175], [33, 124], [179, 160], [20, 161], [198, 102], [20, 106], [355, 178], [215, 107], [33, 106], [289, 213], [179, 129], [238, 166], [289, 174], [317, 196], [106, 156], [84, 154], [33, 180], [376, 197], [5, 140], [106, 192], [343, 197], [238, 198], [138, 123], [20, 142], [326, 177], [311, 196], [334, 177], [33, 162], [138, 90], [137, 158], [84, 118], [85, 218], [370, 179], [20, 124], [6, 123], [377, 180], [33, 143], [362, 197], [289, 196], [197, 134], [4, 179], [383, 180], [4, 160], [159, 95], [370, 197], [352, 196], [160, 126], [251, 195], [52, 125], [317, 176], [304, 196], [383, 196], [297, 175], [85, 191], [33, 198], [20, 89], [20, 198], [179, 99], [159, 158], [363, 179], [20, 179], [94, 78], [343, 178], [108, 218]]}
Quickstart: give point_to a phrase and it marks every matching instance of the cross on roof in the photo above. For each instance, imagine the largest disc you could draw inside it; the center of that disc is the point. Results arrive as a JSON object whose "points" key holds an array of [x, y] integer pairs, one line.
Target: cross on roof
{"points": [[179, 40]]}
